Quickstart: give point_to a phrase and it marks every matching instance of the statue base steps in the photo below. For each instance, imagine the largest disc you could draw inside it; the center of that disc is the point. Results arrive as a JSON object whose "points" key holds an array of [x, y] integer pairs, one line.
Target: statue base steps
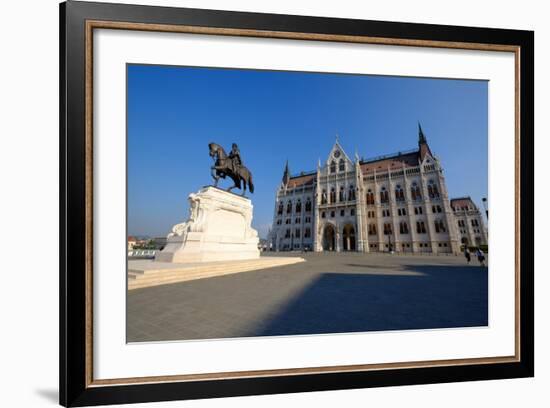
{"points": [[218, 229], [147, 273]]}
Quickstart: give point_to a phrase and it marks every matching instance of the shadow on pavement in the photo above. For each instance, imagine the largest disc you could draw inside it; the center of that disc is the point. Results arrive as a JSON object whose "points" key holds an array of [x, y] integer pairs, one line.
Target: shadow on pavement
{"points": [[430, 297]]}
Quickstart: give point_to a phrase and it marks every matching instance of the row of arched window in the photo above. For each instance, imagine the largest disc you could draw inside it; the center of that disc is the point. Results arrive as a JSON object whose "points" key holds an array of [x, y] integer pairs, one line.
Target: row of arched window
{"points": [[342, 196], [341, 166], [298, 206], [416, 193], [404, 227], [297, 233], [475, 223]]}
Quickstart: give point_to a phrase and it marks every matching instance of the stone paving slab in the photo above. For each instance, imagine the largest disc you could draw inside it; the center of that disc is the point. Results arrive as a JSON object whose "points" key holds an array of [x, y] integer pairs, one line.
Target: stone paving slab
{"points": [[329, 293]]}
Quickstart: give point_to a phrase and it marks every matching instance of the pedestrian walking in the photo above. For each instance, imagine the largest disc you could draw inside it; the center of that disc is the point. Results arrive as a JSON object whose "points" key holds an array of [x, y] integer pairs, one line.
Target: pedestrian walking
{"points": [[467, 254], [480, 256]]}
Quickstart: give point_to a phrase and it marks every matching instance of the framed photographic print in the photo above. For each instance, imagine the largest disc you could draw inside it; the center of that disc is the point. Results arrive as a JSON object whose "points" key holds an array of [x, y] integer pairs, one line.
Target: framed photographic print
{"points": [[255, 203]]}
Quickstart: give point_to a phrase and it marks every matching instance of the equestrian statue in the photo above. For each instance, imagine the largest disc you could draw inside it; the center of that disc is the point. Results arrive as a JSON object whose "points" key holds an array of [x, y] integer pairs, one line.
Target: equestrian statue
{"points": [[230, 165]]}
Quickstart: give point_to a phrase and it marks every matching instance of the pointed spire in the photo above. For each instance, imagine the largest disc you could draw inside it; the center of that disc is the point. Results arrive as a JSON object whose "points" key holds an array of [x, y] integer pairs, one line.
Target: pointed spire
{"points": [[421, 137], [356, 155], [286, 174], [423, 143], [337, 138]]}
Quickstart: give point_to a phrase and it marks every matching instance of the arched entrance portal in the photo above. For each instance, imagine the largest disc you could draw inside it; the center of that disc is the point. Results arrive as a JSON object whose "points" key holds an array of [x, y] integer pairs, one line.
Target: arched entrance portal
{"points": [[329, 238], [349, 238]]}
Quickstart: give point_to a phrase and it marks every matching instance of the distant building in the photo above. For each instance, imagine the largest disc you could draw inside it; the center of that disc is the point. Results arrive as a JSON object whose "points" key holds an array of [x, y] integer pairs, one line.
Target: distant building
{"points": [[470, 227], [132, 241], [396, 202]]}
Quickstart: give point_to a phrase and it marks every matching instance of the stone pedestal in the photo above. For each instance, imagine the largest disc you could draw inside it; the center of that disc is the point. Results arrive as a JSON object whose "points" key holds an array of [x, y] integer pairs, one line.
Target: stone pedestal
{"points": [[218, 229]]}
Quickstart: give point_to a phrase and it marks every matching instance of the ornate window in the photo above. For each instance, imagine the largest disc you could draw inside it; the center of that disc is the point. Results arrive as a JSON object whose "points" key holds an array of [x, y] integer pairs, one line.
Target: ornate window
{"points": [[439, 226], [384, 195], [415, 192], [341, 194], [387, 228], [289, 207], [299, 206], [287, 233], [297, 233], [332, 196], [308, 205], [420, 227], [280, 209], [307, 233], [341, 165], [433, 192], [352, 212], [372, 229], [403, 227], [436, 209], [399, 195], [333, 166], [351, 193], [370, 197]]}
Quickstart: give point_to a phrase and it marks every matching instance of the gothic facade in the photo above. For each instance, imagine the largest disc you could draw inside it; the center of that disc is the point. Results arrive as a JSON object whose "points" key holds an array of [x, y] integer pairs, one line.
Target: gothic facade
{"points": [[395, 203]]}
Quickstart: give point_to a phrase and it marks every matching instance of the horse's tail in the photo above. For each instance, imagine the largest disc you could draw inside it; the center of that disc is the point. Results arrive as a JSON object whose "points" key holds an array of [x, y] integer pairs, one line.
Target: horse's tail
{"points": [[250, 185]]}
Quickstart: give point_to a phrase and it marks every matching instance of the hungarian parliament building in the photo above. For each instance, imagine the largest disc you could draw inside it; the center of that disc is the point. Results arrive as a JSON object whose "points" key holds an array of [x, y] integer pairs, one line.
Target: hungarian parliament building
{"points": [[396, 202]]}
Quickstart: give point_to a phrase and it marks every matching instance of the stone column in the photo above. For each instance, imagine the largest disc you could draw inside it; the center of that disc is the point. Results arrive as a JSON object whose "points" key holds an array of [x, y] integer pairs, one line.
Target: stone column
{"points": [[448, 212], [430, 228], [337, 238], [393, 214], [360, 205]]}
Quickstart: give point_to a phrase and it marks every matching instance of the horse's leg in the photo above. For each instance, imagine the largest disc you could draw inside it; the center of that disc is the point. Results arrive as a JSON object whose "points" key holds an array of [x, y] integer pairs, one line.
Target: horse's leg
{"points": [[244, 187], [237, 183], [214, 176]]}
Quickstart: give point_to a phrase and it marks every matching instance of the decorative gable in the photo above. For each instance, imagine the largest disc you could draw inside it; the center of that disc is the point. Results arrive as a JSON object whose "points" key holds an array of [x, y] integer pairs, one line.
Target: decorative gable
{"points": [[337, 159]]}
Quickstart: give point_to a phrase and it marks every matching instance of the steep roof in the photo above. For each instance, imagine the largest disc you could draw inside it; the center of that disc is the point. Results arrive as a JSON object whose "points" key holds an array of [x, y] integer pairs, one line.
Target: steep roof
{"points": [[395, 161], [302, 180], [460, 202]]}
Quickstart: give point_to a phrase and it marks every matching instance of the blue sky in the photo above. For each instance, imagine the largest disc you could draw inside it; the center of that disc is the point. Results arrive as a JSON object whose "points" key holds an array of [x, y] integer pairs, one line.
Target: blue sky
{"points": [[174, 112]]}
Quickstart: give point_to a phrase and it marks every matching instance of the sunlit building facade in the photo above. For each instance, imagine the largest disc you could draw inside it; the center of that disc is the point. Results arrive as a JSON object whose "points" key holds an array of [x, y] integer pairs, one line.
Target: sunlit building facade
{"points": [[396, 202]]}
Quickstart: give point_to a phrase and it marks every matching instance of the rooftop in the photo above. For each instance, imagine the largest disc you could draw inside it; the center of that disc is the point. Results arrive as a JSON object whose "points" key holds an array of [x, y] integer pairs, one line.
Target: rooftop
{"points": [[396, 160]]}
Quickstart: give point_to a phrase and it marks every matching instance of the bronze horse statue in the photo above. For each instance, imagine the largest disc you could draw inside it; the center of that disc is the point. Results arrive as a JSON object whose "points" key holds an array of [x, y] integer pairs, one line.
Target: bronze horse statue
{"points": [[224, 166]]}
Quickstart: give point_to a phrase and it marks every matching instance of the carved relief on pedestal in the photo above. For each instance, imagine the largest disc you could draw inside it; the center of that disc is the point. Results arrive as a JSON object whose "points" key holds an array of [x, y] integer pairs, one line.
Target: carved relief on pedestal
{"points": [[218, 228]]}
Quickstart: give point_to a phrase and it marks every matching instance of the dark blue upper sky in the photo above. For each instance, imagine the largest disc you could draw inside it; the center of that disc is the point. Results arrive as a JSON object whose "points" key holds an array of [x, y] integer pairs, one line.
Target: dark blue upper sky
{"points": [[174, 112]]}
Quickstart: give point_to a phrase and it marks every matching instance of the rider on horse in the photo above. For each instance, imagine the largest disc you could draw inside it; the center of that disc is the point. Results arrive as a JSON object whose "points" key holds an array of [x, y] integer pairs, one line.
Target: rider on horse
{"points": [[230, 165], [235, 156]]}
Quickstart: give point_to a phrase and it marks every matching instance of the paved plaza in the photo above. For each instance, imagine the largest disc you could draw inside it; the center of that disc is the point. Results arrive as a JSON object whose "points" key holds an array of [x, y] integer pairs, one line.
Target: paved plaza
{"points": [[329, 293]]}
